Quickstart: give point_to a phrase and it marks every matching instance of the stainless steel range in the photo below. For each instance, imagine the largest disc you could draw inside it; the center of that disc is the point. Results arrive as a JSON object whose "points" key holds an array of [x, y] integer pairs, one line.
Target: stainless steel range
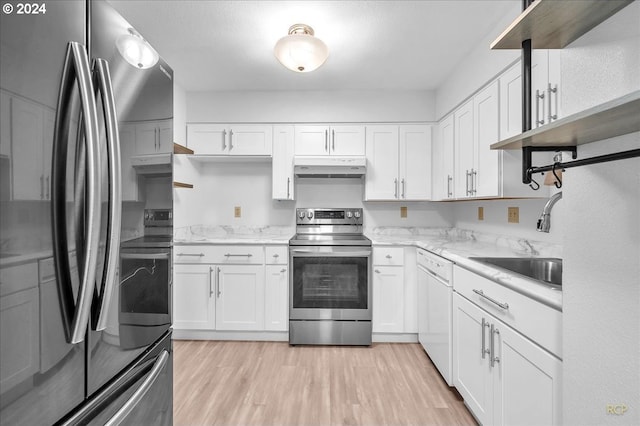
{"points": [[330, 279]]}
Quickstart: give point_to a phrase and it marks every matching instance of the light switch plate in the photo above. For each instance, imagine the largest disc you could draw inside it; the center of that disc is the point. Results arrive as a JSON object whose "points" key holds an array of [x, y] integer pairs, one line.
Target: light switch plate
{"points": [[237, 211], [403, 212], [513, 214], [480, 213]]}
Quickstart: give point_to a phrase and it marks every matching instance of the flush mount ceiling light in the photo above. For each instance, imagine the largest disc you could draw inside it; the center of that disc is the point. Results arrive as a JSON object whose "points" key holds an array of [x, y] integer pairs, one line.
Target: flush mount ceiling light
{"points": [[136, 51], [300, 51]]}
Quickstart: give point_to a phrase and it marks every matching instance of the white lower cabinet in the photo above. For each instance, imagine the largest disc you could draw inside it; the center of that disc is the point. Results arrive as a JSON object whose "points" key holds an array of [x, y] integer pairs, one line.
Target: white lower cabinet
{"points": [[504, 378], [388, 299], [239, 297], [194, 302], [276, 306]]}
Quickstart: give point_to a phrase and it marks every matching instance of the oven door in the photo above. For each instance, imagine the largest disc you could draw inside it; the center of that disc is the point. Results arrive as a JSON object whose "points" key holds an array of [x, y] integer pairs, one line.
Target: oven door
{"points": [[145, 295], [330, 283]]}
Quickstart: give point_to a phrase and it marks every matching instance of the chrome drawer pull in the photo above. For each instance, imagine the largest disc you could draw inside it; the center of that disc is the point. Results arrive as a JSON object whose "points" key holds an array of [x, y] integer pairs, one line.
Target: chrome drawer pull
{"points": [[481, 293], [238, 255], [191, 254]]}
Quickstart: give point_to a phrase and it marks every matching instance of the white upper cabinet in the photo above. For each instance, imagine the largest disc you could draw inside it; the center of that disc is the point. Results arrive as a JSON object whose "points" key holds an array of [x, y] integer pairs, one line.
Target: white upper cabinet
{"points": [[131, 184], [464, 147], [446, 158], [225, 139], [545, 87], [282, 172], [398, 162], [154, 137], [511, 102], [344, 140], [486, 171]]}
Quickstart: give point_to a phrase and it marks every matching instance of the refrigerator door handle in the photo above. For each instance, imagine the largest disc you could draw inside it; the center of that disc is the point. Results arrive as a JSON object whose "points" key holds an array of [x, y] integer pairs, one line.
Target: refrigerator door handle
{"points": [[141, 391], [76, 70], [104, 86]]}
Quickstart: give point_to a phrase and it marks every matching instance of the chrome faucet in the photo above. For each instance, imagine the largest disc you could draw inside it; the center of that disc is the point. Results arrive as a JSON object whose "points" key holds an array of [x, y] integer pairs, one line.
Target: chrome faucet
{"points": [[544, 223]]}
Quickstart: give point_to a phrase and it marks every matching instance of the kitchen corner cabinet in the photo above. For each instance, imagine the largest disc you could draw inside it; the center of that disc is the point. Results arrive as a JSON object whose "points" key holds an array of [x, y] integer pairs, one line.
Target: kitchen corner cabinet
{"points": [[398, 162], [194, 301], [503, 377], [154, 137], [230, 140], [343, 140], [282, 166]]}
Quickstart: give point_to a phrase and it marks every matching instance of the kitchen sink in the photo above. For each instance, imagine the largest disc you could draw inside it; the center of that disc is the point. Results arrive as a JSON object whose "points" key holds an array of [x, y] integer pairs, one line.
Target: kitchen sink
{"points": [[547, 269]]}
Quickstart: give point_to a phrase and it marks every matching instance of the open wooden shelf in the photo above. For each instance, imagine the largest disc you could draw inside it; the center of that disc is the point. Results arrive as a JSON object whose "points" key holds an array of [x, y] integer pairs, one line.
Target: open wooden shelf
{"points": [[553, 24], [181, 149], [614, 118], [182, 185]]}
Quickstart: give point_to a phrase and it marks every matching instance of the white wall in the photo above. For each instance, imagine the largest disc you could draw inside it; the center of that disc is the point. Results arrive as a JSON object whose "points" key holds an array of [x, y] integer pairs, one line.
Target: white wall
{"points": [[179, 114], [310, 106]]}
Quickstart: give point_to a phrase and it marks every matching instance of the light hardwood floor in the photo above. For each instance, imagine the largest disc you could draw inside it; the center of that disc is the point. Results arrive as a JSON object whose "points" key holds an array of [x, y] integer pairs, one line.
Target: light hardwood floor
{"points": [[272, 383]]}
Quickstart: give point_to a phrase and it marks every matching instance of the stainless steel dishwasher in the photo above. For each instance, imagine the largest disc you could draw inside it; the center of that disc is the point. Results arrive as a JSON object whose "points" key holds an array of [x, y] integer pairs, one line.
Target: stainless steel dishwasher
{"points": [[434, 310]]}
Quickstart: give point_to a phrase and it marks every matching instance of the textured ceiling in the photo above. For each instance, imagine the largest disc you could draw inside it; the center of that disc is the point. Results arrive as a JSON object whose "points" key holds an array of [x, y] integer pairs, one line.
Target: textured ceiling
{"points": [[373, 45]]}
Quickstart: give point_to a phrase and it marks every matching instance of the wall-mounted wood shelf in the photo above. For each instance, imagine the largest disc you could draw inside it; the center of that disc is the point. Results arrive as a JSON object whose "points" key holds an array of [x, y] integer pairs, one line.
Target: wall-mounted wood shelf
{"points": [[553, 24], [614, 118], [182, 185], [181, 149]]}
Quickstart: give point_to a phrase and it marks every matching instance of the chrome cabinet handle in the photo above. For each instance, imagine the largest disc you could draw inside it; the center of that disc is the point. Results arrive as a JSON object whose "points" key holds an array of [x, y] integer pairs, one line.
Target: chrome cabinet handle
{"points": [[105, 87], [230, 139], [326, 140], [551, 90], [47, 188], [224, 140], [474, 174], [403, 192], [395, 184], [494, 358], [237, 255], [218, 284], [41, 187], [449, 182], [76, 69], [484, 325], [539, 96], [155, 139], [333, 140], [210, 282], [466, 181], [137, 396], [190, 254], [288, 188], [490, 299]]}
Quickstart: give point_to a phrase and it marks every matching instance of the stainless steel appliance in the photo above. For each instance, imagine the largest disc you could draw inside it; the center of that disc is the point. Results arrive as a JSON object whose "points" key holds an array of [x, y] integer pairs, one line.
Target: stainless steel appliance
{"points": [[435, 301], [330, 279], [69, 78]]}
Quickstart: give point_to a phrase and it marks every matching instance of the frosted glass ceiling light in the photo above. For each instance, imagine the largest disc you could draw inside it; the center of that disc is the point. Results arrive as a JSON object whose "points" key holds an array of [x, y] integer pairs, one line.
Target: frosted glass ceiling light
{"points": [[300, 51], [135, 50]]}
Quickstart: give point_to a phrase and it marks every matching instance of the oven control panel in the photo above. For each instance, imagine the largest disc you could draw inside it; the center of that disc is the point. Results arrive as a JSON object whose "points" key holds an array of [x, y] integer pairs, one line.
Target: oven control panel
{"points": [[329, 216]]}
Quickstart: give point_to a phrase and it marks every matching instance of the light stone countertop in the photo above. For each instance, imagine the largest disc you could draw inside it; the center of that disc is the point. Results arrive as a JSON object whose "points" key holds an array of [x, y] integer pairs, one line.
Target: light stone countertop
{"points": [[459, 245], [226, 235]]}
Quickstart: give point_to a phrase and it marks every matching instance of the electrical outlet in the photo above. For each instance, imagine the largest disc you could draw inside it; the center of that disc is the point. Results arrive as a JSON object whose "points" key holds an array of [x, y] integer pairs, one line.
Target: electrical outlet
{"points": [[403, 212], [513, 214], [480, 213], [237, 211]]}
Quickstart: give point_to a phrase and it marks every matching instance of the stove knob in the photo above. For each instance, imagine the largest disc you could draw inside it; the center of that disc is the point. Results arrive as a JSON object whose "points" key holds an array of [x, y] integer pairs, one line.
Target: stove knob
{"points": [[357, 215], [349, 214], [301, 215], [309, 214]]}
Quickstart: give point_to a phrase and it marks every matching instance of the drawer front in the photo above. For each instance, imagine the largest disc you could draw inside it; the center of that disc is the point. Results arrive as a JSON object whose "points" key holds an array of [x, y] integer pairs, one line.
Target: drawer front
{"points": [[538, 322], [276, 255], [388, 256], [232, 255]]}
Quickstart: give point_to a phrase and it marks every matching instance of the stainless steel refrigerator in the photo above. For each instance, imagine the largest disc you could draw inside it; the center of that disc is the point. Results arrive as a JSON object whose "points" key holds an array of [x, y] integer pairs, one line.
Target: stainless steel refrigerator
{"points": [[74, 74]]}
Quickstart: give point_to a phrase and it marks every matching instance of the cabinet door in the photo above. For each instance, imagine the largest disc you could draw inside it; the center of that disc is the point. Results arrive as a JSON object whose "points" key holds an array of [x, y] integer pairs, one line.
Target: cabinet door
{"points": [[511, 102], [415, 162], [27, 124], [347, 140], [382, 163], [527, 381], [20, 354], [146, 138], [240, 297], [447, 143], [165, 136], [207, 139], [282, 167], [463, 136], [276, 307], [5, 129], [388, 299], [193, 297], [312, 140], [471, 368], [130, 189], [539, 84], [485, 179], [250, 140], [554, 84]]}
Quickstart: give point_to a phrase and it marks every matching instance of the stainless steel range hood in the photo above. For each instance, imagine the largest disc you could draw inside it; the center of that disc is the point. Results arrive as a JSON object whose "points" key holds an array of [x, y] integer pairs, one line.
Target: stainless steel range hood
{"points": [[335, 167], [153, 164]]}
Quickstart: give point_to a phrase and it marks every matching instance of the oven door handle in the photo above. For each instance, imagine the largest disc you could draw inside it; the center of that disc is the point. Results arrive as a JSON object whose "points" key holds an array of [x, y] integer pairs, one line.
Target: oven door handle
{"points": [[358, 253], [149, 256]]}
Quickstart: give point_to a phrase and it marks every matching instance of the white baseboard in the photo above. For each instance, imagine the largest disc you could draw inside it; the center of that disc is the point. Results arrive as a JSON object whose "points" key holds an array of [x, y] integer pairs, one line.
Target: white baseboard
{"points": [[277, 336], [395, 338]]}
